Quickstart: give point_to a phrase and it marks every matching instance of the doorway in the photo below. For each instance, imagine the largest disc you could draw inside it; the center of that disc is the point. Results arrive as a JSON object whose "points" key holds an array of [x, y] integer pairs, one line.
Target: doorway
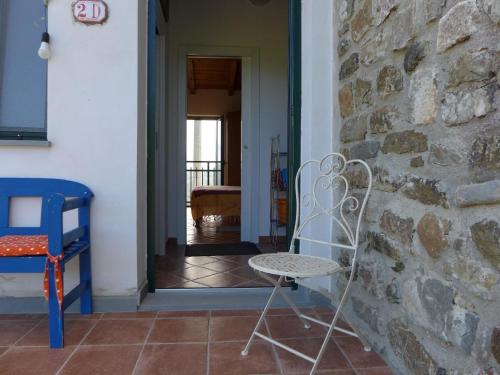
{"points": [[264, 115], [213, 151]]}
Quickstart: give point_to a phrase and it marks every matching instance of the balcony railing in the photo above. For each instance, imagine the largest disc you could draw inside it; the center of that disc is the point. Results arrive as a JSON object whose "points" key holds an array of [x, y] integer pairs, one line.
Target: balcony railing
{"points": [[202, 173]]}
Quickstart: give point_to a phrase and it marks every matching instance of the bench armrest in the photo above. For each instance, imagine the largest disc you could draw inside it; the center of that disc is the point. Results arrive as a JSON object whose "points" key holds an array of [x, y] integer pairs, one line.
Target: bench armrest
{"points": [[57, 205]]}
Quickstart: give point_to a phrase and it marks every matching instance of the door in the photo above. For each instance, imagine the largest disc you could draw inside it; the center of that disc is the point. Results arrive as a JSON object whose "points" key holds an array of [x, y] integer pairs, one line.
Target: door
{"points": [[232, 149]]}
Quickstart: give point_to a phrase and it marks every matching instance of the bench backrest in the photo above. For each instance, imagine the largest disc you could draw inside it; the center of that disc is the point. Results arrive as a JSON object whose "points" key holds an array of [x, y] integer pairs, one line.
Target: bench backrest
{"points": [[42, 188]]}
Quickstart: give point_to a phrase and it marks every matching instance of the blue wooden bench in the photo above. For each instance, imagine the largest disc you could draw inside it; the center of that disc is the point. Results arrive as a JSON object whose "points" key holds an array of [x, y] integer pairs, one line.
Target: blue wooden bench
{"points": [[58, 196]]}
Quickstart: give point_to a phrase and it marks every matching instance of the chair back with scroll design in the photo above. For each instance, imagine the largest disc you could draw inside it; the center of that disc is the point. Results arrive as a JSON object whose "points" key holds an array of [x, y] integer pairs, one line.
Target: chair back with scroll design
{"points": [[333, 176]]}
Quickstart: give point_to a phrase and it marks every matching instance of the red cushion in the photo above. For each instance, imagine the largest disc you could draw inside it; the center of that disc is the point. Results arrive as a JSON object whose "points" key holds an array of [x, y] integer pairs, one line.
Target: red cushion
{"points": [[11, 246]]}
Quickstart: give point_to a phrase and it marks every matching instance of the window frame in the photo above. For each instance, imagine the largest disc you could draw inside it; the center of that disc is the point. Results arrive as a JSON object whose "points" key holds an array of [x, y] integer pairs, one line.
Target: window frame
{"points": [[22, 133]]}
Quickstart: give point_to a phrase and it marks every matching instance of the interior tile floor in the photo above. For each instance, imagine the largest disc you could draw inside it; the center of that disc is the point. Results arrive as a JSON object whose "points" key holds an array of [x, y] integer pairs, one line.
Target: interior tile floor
{"points": [[176, 343], [175, 270], [212, 230]]}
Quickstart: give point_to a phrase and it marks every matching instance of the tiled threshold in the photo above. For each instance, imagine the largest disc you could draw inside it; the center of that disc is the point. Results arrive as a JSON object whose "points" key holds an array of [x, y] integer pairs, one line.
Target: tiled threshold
{"points": [[177, 343]]}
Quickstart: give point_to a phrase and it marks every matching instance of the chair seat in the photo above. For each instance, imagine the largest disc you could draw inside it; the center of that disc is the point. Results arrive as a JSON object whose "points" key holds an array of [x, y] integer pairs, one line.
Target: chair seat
{"points": [[294, 265]]}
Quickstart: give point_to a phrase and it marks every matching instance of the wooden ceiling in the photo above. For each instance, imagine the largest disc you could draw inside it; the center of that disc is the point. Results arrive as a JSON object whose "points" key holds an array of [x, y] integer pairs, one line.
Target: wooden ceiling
{"points": [[214, 74]]}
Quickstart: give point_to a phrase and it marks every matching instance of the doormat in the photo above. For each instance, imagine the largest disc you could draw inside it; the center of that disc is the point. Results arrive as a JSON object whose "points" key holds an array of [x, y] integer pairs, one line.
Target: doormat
{"points": [[242, 248], [227, 229]]}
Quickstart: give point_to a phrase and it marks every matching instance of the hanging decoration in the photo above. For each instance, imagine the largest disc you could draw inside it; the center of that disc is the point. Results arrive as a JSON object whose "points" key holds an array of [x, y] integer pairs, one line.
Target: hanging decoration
{"points": [[44, 50]]}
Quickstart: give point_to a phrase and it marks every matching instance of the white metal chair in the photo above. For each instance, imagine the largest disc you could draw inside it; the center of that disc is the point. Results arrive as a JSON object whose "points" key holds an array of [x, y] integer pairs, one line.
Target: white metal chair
{"points": [[345, 213]]}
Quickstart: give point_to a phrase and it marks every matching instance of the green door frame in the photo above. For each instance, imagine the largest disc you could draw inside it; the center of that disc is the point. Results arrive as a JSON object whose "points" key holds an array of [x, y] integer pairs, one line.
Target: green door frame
{"points": [[294, 123], [294, 107], [151, 145]]}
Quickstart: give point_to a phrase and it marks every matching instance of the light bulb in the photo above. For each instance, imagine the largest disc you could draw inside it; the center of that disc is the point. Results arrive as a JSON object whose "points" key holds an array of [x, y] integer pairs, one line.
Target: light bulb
{"points": [[44, 50]]}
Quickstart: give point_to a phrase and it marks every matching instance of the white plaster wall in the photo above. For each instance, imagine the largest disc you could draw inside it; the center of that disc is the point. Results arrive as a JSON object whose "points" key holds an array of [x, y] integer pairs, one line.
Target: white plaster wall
{"points": [[233, 23], [93, 116], [213, 102], [318, 114]]}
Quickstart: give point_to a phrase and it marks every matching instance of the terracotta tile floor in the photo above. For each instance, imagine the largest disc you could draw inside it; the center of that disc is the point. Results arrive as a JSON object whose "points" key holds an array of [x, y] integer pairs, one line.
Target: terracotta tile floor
{"points": [[175, 343]]}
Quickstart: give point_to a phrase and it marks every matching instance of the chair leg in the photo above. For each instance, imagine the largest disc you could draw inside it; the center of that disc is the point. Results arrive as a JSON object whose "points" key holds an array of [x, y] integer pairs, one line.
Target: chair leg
{"points": [[261, 319], [86, 278], [56, 315], [332, 326], [287, 299]]}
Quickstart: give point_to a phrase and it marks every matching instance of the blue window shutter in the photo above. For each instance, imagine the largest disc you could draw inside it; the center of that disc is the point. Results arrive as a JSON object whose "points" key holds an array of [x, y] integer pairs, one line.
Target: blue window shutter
{"points": [[23, 75]]}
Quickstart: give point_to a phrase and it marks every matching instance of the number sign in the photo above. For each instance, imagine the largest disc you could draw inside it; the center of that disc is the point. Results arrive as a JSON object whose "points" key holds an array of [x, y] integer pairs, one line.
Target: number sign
{"points": [[90, 12]]}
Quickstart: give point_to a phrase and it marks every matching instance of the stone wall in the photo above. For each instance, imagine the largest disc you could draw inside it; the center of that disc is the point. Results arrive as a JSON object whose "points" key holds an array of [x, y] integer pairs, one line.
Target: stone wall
{"points": [[419, 100]]}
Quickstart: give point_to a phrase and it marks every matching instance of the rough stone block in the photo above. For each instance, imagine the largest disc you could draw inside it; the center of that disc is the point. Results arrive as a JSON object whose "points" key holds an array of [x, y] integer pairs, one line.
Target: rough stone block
{"points": [[401, 32], [362, 92], [425, 191], [469, 271], [431, 232], [381, 121], [423, 93], [495, 343], [483, 101], [384, 181], [470, 67], [349, 66], [346, 9], [368, 314], [437, 299], [457, 25], [453, 323], [404, 142], [478, 194], [458, 108], [433, 9], [373, 50], [379, 243], [485, 154], [413, 55], [357, 178], [389, 80], [486, 237], [444, 156], [362, 21], [343, 47], [417, 162], [492, 8], [406, 346], [393, 292], [462, 329], [344, 29], [462, 107], [346, 100], [382, 9], [364, 150], [396, 227], [354, 129]]}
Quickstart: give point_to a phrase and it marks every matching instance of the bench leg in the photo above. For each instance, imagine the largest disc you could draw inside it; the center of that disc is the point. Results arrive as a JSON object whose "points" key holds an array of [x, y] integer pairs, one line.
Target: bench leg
{"points": [[86, 278], [56, 315]]}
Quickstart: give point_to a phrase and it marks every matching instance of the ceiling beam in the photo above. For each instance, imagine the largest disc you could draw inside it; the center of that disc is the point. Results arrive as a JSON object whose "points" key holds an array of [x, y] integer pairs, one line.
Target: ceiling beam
{"points": [[233, 77], [192, 78]]}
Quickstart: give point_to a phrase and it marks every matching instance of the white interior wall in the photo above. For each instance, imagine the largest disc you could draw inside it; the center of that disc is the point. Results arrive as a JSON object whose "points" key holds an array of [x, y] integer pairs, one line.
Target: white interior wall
{"points": [[232, 23], [93, 116], [318, 114]]}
